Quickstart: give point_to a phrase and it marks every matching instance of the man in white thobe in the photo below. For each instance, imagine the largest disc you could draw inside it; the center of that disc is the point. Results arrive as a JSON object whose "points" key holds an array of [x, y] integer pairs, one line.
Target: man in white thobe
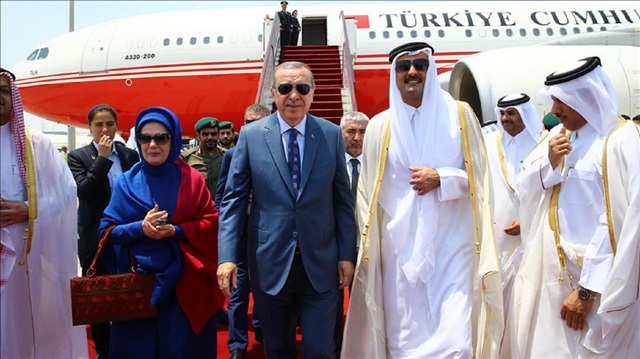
{"points": [[427, 258], [38, 240], [519, 129], [574, 295]]}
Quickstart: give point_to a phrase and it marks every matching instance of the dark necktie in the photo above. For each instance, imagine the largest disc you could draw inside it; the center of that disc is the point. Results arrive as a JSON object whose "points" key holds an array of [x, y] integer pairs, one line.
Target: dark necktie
{"points": [[354, 175], [293, 153]]}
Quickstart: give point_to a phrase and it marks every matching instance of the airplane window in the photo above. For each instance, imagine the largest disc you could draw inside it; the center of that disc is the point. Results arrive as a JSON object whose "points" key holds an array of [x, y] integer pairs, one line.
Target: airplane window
{"points": [[467, 33], [129, 44], [140, 44], [509, 32], [496, 32], [427, 33], [576, 30], [153, 43], [44, 52], [372, 34], [206, 40], [589, 29], [603, 28], [441, 33], [192, 41], [385, 34], [563, 31], [549, 31], [536, 32], [166, 42], [523, 32], [220, 39], [400, 34], [179, 41], [414, 33], [260, 38], [32, 56]]}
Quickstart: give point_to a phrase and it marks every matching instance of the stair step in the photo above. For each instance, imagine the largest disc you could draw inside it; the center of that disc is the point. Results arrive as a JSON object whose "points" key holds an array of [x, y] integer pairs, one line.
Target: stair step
{"points": [[325, 64], [309, 48]]}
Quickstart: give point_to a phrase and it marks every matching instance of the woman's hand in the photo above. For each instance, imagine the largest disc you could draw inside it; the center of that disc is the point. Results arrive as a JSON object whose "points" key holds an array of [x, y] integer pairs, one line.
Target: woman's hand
{"points": [[155, 224]]}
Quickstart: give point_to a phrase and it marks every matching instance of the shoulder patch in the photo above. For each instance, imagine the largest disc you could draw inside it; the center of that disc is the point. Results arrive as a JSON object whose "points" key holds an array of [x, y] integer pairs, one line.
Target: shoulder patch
{"points": [[189, 152]]}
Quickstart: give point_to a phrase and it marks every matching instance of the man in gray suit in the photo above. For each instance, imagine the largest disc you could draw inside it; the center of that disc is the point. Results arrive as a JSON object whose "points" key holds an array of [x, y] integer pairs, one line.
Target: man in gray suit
{"points": [[301, 227]]}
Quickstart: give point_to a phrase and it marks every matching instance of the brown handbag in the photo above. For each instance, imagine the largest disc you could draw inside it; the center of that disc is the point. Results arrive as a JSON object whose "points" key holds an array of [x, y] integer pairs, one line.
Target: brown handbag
{"points": [[113, 297]]}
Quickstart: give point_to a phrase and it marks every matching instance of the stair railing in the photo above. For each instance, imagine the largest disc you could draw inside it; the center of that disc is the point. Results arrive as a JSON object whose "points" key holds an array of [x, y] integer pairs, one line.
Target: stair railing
{"points": [[347, 62], [269, 62]]}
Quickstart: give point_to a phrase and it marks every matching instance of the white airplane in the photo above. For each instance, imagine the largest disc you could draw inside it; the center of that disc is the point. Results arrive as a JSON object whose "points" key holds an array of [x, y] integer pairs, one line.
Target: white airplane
{"points": [[217, 62]]}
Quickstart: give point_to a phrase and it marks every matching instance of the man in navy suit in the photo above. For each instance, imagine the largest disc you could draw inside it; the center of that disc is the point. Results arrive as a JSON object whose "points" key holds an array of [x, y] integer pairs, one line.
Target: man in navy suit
{"points": [[239, 301], [301, 230], [95, 168]]}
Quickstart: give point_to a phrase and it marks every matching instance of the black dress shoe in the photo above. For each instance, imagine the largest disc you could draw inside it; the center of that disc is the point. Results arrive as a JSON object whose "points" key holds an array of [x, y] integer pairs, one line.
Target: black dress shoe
{"points": [[238, 354]]}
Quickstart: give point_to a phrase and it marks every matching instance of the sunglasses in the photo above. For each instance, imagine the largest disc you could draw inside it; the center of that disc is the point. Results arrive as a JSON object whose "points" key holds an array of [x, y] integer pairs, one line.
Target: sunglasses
{"points": [[159, 138], [285, 89], [418, 64]]}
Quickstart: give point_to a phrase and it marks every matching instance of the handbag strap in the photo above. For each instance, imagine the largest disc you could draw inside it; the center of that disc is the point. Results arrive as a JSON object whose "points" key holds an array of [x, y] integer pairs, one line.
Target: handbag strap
{"points": [[103, 240]]}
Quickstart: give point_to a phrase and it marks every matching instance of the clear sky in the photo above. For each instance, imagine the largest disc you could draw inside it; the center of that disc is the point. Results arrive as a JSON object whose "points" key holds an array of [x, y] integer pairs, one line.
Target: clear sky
{"points": [[24, 25]]}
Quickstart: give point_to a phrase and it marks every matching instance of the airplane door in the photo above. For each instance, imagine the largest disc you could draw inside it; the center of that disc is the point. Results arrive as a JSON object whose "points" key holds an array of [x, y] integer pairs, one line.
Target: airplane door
{"points": [[314, 30], [96, 52]]}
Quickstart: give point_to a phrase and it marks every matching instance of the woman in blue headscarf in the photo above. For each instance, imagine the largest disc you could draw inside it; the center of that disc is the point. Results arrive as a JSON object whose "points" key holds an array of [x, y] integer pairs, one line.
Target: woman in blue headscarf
{"points": [[162, 213]]}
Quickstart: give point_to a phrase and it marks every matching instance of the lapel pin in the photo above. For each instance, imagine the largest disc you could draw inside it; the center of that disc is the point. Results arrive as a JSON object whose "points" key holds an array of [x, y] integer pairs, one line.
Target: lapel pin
{"points": [[93, 158]]}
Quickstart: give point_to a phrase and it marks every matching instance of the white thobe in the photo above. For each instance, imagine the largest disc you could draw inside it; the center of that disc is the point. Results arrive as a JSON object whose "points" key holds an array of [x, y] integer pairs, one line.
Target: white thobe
{"points": [[617, 277], [391, 317], [505, 154], [35, 295], [534, 326]]}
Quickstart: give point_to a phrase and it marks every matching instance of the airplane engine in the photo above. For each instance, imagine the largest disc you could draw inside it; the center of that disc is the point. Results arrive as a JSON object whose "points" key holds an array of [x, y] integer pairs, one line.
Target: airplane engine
{"points": [[483, 78]]}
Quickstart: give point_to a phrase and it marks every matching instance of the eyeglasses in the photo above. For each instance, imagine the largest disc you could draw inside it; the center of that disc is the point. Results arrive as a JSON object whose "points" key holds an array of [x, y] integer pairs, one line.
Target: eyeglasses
{"points": [[159, 138], [418, 64], [302, 89]]}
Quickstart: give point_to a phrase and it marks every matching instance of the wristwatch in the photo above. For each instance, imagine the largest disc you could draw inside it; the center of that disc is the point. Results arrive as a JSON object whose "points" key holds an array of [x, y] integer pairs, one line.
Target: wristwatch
{"points": [[585, 294]]}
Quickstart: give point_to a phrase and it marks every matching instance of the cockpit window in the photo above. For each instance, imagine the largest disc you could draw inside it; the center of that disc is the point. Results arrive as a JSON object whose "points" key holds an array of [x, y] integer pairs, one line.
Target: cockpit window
{"points": [[44, 52], [33, 55]]}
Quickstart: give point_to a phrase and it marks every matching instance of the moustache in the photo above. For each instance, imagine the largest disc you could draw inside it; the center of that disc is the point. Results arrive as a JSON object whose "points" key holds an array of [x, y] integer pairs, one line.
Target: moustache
{"points": [[413, 78]]}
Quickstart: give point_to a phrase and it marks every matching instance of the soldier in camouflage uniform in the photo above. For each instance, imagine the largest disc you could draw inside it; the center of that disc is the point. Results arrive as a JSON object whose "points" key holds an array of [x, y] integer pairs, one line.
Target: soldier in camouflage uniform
{"points": [[207, 156]]}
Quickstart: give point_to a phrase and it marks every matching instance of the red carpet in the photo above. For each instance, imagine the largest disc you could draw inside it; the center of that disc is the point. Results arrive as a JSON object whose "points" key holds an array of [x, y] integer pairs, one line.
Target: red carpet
{"points": [[254, 350]]}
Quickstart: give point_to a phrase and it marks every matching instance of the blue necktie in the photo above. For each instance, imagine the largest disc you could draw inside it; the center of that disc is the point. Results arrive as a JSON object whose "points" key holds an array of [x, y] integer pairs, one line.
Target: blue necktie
{"points": [[293, 153], [354, 175]]}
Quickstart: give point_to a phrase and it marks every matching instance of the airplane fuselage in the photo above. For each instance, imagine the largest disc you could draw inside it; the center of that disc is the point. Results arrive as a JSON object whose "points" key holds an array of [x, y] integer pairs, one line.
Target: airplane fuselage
{"points": [[208, 62]]}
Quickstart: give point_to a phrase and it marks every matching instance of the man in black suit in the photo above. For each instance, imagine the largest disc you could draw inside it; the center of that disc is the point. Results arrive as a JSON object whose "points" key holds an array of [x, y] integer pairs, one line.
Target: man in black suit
{"points": [[285, 24], [95, 168]]}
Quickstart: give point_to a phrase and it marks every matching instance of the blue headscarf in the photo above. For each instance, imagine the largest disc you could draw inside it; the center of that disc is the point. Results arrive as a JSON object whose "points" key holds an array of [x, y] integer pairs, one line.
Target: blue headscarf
{"points": [[135, 193], [163, 180]]}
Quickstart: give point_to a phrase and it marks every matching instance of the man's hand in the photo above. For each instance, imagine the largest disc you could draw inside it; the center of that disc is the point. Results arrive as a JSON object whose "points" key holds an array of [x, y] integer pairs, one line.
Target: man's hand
{"points": [[12, 212], [424, 179], [345, 273], [227, 277], [513, 229], [104, 146], [559, 146], [575, 310]]}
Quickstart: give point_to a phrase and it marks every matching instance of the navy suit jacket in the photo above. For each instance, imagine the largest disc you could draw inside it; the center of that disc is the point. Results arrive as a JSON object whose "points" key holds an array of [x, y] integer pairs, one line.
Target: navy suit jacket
{"points": [[321, 219], [90, 172], [222, 177]]}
